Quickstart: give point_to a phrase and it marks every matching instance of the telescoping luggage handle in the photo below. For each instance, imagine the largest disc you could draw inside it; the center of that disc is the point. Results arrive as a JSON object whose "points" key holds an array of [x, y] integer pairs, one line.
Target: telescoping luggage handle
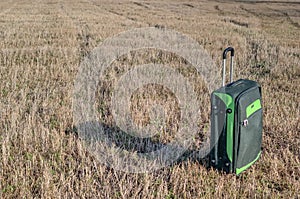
{"points": [[231, 50]]}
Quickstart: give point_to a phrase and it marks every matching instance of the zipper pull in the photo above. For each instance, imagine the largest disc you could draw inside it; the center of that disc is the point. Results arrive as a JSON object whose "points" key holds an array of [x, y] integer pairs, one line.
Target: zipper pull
{"points": [[245, 123]]}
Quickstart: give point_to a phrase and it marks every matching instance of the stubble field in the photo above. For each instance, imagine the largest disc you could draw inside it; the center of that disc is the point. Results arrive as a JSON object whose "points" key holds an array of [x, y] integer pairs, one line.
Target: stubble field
{"points": [[42, 44]]}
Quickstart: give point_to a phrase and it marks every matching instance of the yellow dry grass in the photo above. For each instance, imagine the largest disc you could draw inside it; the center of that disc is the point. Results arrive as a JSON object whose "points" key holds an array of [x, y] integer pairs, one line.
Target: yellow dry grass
{"points": [[41, 46]]}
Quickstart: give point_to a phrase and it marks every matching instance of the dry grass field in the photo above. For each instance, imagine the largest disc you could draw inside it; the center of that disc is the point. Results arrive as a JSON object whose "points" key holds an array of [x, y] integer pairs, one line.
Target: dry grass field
{"points": [[42, 44]]}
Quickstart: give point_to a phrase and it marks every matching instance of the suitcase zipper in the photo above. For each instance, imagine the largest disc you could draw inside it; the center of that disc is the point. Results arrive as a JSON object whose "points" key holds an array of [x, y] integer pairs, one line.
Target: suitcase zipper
{"points": [[245, 123]]}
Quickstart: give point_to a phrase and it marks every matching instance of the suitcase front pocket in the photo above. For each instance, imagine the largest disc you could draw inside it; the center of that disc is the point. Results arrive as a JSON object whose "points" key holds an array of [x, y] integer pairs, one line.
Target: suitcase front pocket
{"points": [[250, 136]]}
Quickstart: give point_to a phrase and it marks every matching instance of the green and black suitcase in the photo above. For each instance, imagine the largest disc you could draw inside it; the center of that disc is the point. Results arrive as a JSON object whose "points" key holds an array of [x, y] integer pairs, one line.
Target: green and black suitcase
{"points": [[236, 123]]}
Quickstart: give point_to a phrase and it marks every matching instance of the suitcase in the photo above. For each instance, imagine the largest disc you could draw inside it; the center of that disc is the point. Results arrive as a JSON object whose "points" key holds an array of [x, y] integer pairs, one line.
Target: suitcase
{"points": [[236, 123]]}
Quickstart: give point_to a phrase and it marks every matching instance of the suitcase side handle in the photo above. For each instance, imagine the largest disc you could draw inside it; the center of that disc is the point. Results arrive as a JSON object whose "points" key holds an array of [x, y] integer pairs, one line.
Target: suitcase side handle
{"points": [[231, 50]]}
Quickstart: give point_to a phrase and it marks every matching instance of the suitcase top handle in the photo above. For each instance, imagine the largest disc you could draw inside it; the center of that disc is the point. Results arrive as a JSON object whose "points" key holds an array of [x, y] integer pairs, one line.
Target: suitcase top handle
{"points": [[231, 50]]}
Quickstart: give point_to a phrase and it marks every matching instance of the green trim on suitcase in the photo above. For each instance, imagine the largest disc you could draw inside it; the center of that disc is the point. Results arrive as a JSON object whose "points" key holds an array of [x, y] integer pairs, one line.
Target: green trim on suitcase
{"points": [[254, 106], [227, 99], [239, 170]]}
